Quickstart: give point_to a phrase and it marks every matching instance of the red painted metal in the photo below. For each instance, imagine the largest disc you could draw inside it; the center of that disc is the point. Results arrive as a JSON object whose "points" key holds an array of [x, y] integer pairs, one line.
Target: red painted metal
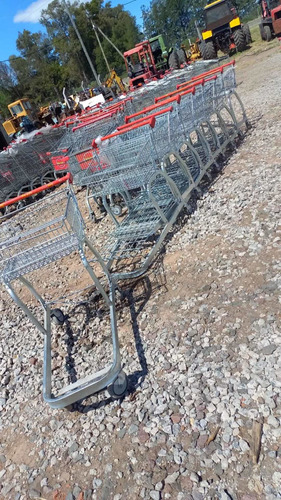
{"points": [[57, 182]]}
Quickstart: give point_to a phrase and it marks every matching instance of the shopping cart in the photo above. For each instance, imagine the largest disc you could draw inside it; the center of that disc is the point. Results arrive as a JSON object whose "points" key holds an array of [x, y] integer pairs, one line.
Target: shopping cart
{"points": [[37, 236], [22, 168], [84, 133], [127, 157]]}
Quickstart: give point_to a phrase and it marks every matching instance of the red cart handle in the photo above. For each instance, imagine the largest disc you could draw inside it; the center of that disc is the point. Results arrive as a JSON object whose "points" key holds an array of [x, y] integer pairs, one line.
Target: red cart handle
{"points": [[176, 92], [220, 69], [96, 120], [148, 121], [57, 182], [152, 107], [129, 126]]}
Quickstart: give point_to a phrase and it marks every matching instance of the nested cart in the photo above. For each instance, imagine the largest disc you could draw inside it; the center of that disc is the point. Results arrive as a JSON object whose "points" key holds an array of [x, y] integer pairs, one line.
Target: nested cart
{"points": [[39, 235]]}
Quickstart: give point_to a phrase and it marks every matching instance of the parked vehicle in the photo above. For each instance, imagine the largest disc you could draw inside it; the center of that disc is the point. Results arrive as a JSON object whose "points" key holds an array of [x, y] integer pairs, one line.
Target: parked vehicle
{"points": [[223, 30], [270, 25]]}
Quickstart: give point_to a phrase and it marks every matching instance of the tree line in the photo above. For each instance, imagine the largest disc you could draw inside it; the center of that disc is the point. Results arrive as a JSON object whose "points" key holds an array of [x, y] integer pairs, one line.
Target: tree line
{"points": [[52, 60]]}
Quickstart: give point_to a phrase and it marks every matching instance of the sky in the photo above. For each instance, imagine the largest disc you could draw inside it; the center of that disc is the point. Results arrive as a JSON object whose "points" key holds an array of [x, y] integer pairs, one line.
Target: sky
{"points": [[17, 15]]}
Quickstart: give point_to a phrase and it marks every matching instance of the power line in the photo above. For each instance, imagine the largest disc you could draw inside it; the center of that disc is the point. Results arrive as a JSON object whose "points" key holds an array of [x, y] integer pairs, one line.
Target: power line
{"points": [[132, 1]]}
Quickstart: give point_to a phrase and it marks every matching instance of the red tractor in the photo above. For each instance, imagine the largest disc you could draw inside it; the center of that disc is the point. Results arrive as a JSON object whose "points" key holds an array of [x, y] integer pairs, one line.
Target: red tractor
{"points": [[270, 25], [140, 64]]}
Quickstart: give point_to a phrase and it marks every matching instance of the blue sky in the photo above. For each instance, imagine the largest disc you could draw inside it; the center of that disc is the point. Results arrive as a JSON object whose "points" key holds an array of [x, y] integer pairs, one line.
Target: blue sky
{"points": [[17, 15]]}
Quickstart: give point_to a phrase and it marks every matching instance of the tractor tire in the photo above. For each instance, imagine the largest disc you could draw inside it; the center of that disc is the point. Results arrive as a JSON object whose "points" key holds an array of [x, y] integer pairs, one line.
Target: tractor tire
{"points": [[173, 61], [239, 40], [208, 50], [262, 32], [268, 34], [182, 56], [247, 33]]}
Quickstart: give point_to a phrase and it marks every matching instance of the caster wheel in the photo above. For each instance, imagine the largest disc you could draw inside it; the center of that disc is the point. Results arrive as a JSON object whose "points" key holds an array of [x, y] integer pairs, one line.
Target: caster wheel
{"points": [[121, 293], [119, 387], [69, 408], [57, 317], [21, 204], [116, 210], [93, 218]]}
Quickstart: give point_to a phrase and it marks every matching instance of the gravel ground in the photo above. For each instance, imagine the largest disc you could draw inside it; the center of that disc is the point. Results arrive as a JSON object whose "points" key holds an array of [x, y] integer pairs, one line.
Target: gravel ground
{"points": [[200, 341]]}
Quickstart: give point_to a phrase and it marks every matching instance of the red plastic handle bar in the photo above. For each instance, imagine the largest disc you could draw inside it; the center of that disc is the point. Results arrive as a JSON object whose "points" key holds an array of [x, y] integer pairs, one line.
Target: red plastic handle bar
{"points": [[148, 121], [197, 78], [219, 69], [114, 106], [152, 107], [129, 125], [189, 91], [96, 120], [91, 116], [50, 153], [191, 83], [93, 112], [177, 92], [57, 182], [68, 124]]}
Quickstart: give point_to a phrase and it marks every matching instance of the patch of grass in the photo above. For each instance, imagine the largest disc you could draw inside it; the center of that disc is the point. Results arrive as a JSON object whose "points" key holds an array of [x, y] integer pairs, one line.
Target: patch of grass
{"points": [[258, 45]]}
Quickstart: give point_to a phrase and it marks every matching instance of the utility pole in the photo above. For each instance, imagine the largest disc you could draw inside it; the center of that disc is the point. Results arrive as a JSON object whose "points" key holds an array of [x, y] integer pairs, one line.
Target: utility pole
{"points": [[81, 42]]}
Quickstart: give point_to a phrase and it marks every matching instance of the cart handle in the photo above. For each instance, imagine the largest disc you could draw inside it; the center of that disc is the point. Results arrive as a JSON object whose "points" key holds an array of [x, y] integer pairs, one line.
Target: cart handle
{"points": [[132, 125], [91, 122], [176, 92], [216, 70], [99, 115], [129, 125], [55, 153], [202, 81], [57, 182], [196, 79], [147, 121], [152, 107], [90, 116], [219, 69]]}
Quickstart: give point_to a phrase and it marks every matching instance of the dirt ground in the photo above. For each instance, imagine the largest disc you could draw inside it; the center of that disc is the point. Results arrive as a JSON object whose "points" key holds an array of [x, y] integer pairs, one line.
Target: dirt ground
{"points": [[204, 274]]}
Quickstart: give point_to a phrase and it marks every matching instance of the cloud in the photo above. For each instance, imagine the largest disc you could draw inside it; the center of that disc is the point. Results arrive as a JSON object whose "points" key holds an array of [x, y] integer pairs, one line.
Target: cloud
{"points": [[33, 13]]}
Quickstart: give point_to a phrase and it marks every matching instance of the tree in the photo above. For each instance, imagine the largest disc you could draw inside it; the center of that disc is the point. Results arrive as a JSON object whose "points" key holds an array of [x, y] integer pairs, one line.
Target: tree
{"points": [[121, 29], [65, 42], [172, 18], [38, 72], [116, 23], [175, 19], [47, 63]]}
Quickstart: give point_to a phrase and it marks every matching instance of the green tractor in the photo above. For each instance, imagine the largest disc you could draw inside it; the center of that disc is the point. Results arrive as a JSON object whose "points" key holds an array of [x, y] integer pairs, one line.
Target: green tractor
{"points": [[224, 30], [166, 58]]}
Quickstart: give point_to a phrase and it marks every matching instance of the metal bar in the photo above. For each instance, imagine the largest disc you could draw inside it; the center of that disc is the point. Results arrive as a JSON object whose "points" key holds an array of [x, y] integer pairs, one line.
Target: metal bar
{"points": [[52, 184], [109, 41], [81, 42]]}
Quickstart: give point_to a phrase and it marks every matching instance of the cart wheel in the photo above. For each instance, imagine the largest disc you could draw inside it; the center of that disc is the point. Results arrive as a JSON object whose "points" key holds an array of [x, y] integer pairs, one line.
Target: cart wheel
{"points": [[93, 217], [57, 317], [121, 293], [70, 408], [116, 210], [120, 385]]}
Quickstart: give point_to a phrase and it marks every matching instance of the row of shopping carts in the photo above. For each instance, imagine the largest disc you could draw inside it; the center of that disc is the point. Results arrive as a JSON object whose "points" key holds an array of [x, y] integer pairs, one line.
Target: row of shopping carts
{"points": [[150, 132], [155, 161], [28, 164]]}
